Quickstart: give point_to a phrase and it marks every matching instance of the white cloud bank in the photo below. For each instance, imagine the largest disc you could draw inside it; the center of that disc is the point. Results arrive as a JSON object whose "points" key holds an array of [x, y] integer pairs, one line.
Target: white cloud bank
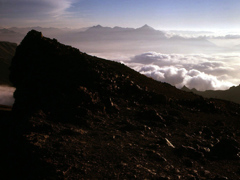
{"points": [[6, 95], [203, 72], [180, 77]]}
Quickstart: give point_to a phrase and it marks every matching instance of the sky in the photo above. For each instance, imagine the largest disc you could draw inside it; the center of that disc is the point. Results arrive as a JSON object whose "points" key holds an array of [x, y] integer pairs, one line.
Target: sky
{"points": [[160, 14]]}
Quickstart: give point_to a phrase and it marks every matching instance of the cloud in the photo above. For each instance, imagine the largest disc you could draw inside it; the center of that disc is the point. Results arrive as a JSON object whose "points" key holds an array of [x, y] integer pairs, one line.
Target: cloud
{"points": [[167, 59], [202, 35], [30, 7], [228, 36], [180, 77], [199, 71], [34, 13], [6, 95], [201, 62], [204, 81]]}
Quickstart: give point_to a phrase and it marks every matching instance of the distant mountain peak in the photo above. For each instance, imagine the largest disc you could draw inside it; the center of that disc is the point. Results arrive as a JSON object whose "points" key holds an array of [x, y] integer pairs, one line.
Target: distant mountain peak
{"points": [[146, 27], [185, 88], [97, 26]]}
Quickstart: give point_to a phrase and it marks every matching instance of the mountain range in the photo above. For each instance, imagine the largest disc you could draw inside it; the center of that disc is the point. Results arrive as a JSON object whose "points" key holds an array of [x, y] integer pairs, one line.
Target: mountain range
{"points": [[118, 39], [232, 94], [129, 40], [78, 116]]}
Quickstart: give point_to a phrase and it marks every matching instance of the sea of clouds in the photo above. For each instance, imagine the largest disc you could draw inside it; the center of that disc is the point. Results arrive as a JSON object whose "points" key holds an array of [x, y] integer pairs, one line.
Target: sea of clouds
{"points": [[199, 71], [6, 95]]}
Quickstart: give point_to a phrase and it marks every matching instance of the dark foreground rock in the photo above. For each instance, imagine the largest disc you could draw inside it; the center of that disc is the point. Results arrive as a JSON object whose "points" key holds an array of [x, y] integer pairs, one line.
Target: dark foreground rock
{"points": [[77, 116]]}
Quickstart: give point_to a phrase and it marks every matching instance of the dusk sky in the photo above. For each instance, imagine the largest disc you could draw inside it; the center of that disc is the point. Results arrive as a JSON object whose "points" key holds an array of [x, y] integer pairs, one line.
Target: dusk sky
{"points": [[160, 14]]}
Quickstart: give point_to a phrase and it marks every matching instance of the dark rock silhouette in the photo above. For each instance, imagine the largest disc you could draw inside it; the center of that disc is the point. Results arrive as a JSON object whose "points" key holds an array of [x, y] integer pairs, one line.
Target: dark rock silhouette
{"points": [[77, 116], [231, 94]]}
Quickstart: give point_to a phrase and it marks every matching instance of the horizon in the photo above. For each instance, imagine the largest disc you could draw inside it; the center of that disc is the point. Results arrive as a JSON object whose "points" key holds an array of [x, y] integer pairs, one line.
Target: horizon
{"points": [[225, 31], [177, 15], [180, 32]]}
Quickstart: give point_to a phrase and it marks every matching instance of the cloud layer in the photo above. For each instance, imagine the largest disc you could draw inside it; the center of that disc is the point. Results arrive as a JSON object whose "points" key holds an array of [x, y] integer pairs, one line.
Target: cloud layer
{"points": [[203, 72], [6, 95]]}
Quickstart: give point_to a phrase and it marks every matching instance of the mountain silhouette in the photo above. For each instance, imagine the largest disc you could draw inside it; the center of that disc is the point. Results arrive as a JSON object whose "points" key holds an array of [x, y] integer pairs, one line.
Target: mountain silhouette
{"points": [[232, 94], [77, 116], [146, 28], [100, 39]]}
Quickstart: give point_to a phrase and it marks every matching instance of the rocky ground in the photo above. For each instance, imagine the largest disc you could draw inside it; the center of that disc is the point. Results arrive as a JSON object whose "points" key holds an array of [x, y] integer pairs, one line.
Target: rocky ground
{"points": [[80, 117]]}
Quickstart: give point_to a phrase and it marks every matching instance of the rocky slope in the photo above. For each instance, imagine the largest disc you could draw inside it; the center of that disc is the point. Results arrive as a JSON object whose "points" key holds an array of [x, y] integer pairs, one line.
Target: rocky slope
{"points": [[7, 51], [81, 117], [231, 94]]}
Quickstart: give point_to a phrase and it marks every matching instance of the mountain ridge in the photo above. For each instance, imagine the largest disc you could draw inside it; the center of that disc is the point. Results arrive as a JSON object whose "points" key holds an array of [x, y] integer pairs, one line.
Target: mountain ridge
{"points": [[144, 28], [107, 39], [231, 94]]}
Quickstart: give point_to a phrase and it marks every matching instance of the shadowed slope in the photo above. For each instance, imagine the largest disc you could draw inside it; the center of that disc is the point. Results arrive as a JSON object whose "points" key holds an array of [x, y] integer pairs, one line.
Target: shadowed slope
{"points": [[232, 94]]}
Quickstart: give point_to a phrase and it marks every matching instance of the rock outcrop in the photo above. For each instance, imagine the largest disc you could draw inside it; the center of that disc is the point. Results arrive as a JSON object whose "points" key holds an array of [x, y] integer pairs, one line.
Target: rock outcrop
{"points": [[77, 116]]}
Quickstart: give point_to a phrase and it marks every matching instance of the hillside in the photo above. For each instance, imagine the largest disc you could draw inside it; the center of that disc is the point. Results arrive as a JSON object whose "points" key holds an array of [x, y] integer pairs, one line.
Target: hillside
{"points": [[77, 116], [232, 94], [7, 51]]}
